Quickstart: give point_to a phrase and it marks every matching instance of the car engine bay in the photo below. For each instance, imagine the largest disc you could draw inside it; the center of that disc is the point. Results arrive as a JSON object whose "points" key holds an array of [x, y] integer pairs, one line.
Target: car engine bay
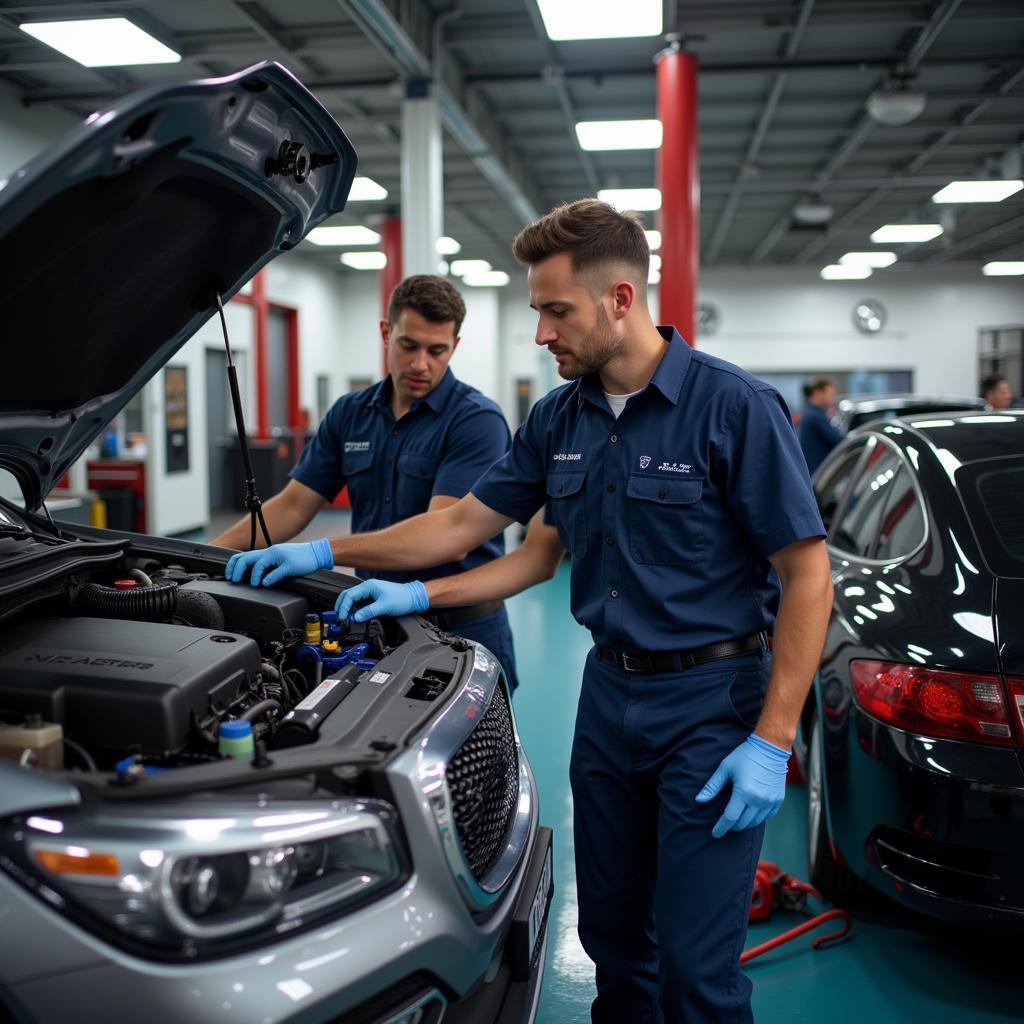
{"points": [[152, 666]]}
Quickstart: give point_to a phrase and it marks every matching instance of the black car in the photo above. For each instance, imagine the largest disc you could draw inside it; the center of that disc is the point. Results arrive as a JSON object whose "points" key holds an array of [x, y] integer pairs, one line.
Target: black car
{"points": [[853, 411], [915, 726]]}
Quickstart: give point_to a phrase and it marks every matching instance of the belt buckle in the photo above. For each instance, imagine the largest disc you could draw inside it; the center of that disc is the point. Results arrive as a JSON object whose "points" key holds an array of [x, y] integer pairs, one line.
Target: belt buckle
{"points": [[643, 662]]}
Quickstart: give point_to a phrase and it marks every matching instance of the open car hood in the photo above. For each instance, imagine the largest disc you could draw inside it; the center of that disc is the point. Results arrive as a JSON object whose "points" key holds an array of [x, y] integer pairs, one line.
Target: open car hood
{"points": [[115, 242]]}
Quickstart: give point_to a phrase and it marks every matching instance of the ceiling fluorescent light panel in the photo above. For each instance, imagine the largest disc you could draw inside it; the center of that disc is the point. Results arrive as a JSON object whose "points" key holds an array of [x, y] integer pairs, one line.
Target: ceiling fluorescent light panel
{"points": [[600, 19], [101, 42]]}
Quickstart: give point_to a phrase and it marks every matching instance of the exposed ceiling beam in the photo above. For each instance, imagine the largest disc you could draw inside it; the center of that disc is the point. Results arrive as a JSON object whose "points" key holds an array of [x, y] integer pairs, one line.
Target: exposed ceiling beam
{"points": [[915, 53], [757, 139], [1002, 85], [555, 78], [403, 53], [974, 241]]}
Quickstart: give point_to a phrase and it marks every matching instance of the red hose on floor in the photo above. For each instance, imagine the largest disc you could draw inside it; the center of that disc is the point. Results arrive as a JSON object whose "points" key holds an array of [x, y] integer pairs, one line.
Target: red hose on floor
{"points": [[773, 887]]}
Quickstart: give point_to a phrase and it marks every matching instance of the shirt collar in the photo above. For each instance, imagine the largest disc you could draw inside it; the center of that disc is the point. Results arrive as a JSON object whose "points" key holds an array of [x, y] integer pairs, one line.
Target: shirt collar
{"points": [[435, 401], [437, 398], [668, 377]]}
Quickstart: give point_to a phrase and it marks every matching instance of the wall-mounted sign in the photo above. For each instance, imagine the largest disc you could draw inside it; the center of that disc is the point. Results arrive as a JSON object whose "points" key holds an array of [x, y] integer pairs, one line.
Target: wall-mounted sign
{"points": [[176, 418]]}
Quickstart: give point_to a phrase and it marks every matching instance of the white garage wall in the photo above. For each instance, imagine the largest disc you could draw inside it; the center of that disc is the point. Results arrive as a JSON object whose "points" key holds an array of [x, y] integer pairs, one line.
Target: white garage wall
{"points": [[338, 334], [24, 131], [778, 319]]}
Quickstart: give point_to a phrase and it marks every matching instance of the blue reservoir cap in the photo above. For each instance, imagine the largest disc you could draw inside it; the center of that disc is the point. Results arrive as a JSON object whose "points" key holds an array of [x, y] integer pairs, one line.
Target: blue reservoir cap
{"points": [[328, 618], [312, 617], [235, 729]]}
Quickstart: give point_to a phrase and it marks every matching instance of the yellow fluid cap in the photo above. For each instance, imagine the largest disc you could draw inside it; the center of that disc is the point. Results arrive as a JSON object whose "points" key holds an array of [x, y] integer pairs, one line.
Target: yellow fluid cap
{"points": [[331, 646], [312, 632]]}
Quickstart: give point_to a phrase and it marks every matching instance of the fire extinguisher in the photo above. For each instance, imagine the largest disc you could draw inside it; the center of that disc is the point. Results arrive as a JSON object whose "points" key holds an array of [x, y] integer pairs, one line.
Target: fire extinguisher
{"points": [[774, 888]]}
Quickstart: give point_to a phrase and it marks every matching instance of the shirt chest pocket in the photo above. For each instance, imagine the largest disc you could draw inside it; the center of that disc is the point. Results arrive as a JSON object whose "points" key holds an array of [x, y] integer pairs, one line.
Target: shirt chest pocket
{"points": [[666, 520], [354, 467], [567, 504], [414, 482]]}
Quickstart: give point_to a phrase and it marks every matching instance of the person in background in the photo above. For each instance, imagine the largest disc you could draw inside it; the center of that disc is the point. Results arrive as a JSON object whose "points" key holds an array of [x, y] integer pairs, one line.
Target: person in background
{"points": [[995, 389], [675, 481], [414, 442], [817, 434]]}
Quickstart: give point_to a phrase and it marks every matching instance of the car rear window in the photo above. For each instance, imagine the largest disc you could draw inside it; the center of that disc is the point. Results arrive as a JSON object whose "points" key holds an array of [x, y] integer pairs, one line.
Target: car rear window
{"points": [[910, 409], [993, 492]]}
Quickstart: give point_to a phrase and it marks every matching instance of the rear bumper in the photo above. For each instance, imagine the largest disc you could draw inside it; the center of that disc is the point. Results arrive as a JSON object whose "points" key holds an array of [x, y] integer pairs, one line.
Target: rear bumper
{"points": [[934, 824]]}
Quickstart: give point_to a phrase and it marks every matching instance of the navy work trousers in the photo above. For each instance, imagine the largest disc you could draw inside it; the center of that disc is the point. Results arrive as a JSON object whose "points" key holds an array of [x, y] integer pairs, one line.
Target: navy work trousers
{"points": [[663, 906], [495, 633]]}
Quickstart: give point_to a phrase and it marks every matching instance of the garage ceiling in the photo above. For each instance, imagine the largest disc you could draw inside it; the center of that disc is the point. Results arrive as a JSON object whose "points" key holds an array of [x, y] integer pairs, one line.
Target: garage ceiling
{"points": [[783, 85]]}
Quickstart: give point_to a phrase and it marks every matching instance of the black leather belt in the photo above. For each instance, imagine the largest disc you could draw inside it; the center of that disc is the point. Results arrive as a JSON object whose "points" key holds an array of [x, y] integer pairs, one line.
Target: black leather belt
{"points": [[449, 618], [674, 661]]}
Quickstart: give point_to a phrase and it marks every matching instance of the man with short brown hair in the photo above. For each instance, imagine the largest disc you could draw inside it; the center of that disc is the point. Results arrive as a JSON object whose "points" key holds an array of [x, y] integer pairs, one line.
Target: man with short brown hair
{"points": [[415, 441], [675, 482]]}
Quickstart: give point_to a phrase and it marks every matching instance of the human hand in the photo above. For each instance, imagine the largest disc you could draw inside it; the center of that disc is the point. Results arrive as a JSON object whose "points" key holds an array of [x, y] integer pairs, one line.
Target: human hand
{"points": [[283, 559], [757, 769], [388, 599]]}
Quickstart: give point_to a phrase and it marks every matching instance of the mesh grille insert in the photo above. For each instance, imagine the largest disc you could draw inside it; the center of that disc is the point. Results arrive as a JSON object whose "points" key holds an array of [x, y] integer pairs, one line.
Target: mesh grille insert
{"points": [[483, 779]]}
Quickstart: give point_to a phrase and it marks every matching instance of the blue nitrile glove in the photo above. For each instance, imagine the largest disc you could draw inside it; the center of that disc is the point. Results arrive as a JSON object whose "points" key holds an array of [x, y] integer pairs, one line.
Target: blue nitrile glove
{"points": [[757, 769], [388, 599], [289, 559]]}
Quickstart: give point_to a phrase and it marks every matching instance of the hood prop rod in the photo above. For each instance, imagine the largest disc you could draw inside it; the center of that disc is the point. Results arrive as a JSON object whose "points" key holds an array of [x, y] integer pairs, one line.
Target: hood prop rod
{"points": [[253, 501]]}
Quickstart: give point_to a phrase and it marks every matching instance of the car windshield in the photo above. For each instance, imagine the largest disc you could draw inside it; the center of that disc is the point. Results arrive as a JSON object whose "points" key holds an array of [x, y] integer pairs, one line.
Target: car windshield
{"points": [[993, 492]]}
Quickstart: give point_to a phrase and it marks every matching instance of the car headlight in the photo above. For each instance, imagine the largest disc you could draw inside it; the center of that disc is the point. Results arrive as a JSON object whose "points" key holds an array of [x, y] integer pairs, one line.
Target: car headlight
{"points": [[191, 882]]}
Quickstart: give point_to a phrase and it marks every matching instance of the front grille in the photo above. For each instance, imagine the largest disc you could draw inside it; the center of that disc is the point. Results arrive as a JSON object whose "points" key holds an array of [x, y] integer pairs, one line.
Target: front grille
{"points": [[483, 779]]}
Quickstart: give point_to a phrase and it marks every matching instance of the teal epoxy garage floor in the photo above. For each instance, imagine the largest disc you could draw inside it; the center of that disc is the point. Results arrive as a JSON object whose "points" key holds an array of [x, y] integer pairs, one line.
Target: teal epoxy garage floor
{"points": [[892, 968]]}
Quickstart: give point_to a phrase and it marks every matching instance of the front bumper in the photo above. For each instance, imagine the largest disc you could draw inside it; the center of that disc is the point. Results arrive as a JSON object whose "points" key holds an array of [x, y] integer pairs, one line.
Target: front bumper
{"points": [[431, 930]]}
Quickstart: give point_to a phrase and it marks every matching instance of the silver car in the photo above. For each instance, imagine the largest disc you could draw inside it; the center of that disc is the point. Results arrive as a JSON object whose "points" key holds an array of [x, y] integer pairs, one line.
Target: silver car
{"points": [[217, 803]]}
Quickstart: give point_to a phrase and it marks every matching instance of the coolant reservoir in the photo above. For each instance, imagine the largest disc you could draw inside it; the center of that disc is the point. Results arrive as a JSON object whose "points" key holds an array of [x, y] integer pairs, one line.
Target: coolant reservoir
{"points": [[43, 741]]}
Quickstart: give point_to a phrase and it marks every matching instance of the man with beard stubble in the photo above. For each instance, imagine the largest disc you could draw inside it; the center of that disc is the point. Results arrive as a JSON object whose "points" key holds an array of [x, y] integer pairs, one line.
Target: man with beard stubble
{"points": [[676, 483]]}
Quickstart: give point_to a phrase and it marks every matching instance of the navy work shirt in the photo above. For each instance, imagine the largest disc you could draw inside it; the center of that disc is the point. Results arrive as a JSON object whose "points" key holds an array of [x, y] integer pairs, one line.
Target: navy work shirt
{"points": [[669, 511], [394, 467], [817, 435]]}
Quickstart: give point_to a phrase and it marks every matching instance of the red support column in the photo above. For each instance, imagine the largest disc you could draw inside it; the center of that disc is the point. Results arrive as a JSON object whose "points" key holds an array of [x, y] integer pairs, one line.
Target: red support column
{"points": [[679, 181], [259, 302], [391, 275]]}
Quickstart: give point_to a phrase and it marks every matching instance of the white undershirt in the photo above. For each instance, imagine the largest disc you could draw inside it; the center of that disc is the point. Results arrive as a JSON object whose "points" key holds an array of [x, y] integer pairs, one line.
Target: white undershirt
{"points": [[618, 402]]}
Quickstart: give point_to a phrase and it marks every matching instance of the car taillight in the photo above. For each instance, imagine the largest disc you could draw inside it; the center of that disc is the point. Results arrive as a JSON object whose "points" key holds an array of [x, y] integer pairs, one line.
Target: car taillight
{"points": [[1015, 684], [959, 705]]}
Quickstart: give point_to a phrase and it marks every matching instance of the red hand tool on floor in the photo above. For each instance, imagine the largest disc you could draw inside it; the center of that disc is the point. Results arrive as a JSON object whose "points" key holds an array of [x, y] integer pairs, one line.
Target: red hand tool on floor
{"points": [[774, 888]]}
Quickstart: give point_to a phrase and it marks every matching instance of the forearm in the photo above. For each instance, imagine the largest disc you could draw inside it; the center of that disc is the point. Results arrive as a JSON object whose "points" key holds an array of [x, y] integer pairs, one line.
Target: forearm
{"points": [[799, 637], [433, 538], [492, 581]]}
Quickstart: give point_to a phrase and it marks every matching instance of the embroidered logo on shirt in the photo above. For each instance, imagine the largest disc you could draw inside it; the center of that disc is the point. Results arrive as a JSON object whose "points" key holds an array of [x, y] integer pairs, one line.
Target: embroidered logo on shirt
{"points": [[645, 461], [675, 467], [567, 456], [357, 446]]}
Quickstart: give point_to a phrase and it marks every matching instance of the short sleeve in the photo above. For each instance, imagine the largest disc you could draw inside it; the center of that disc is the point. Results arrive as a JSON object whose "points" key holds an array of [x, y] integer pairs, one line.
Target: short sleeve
{"points": [[319, 466], [475, 442], [766, 480], [514, 485]]}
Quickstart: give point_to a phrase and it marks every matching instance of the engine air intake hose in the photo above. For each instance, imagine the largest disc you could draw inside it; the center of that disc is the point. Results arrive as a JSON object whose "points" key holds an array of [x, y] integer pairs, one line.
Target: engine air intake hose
{"points": [[147, 604]]}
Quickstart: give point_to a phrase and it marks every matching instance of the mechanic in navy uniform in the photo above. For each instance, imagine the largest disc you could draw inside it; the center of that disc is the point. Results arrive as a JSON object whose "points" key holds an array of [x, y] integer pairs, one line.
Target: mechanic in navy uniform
{"points": [[817, 434], [676, 483], [413, 442]]}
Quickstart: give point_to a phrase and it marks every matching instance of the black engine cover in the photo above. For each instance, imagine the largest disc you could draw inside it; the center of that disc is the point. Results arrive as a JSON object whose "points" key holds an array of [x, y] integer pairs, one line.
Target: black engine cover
{"points": [[118, 684]]}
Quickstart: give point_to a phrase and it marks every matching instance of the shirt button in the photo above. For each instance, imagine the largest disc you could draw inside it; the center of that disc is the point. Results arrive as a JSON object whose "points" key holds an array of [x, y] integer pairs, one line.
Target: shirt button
{"points": [[613, 593], [611, 488], [561, 488], [610, 542], [614, 438], [394, 433], [387, 499], [661, 495]]}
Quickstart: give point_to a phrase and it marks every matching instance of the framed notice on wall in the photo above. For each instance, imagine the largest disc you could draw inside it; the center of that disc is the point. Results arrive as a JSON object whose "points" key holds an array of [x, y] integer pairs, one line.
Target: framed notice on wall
{"points": [[176, 418]]}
